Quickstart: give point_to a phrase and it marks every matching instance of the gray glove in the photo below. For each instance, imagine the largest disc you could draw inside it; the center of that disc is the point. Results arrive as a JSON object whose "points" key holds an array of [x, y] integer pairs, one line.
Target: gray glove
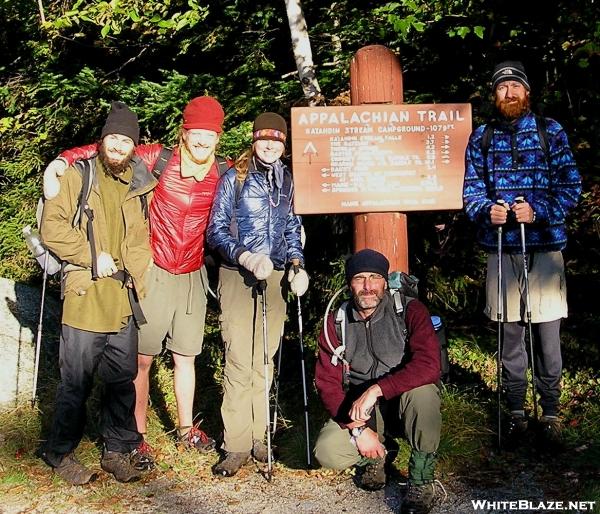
{"points": [[260, 265]]}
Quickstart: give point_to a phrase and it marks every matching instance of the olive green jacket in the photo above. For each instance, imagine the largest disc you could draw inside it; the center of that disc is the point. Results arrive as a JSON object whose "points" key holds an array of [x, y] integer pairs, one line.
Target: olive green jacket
{"points": [[70, 243]]}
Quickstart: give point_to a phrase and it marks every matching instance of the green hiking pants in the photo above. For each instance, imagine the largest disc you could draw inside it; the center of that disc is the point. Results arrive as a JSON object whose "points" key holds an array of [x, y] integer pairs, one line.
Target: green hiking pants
{"points": [[420, 422], [243, 408]]}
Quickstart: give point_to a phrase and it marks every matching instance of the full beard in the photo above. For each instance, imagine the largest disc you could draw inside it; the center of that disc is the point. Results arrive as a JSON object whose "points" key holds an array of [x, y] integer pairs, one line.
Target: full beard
{"points": [[112, 167], [513, 108], [363, 303]]}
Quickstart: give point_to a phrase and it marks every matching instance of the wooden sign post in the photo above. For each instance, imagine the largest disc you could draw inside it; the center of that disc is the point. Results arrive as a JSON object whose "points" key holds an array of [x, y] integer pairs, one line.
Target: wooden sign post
{"points": [[376, 78]]}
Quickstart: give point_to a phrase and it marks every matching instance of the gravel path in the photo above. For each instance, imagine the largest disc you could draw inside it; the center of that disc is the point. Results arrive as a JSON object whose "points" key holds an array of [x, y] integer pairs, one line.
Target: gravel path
{"points": [[250, 493]]}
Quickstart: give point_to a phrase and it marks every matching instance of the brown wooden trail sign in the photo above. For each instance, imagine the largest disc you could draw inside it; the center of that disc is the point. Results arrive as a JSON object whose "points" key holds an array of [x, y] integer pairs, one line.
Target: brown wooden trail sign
{"points": [[379, 157]]}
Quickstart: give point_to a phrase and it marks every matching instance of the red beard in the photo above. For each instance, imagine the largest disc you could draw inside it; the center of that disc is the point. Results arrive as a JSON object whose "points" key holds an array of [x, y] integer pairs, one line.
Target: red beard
{"points": [[513, 108]]}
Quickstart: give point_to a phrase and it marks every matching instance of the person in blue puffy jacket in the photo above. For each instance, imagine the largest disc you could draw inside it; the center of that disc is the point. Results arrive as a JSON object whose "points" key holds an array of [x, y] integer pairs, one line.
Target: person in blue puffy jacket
{"points": [[257, 234]]}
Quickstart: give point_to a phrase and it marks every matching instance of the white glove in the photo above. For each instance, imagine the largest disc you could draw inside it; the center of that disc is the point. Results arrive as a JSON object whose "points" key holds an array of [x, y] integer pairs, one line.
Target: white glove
{"points": [[260, 265], [51, 183], [105, 265], [298, 279]]}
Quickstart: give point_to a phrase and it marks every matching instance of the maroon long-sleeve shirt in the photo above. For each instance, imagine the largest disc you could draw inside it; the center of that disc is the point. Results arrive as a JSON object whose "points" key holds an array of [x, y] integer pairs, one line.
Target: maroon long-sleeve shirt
{"points": [[421, 363]]}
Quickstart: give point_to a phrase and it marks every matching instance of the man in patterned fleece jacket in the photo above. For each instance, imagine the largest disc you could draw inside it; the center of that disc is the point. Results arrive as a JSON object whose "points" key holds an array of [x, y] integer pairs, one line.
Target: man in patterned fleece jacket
{"points": [[517, 164]]}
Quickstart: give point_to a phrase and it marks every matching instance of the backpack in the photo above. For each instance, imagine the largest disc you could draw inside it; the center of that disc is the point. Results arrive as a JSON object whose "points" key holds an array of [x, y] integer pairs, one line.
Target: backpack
{"points": [[403, 289]]}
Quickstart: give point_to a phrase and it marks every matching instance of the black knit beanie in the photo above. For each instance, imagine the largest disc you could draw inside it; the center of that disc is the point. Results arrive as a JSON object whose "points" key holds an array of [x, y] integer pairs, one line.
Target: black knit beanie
{"points": [[269, 125], [367, 260], [509, 70], [122, 120]]}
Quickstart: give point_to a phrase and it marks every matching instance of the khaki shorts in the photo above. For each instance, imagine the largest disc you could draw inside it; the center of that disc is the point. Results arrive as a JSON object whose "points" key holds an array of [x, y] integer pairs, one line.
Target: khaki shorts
{"points": [[547, 287], [175, 308]]}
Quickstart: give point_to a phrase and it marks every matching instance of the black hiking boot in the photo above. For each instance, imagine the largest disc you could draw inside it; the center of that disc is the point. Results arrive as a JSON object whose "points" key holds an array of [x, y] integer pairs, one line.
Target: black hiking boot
{"points": [[551, 430], [373, 476], [73, 471], [516, 428], [231, 464], [120, 465], [419, 499]]}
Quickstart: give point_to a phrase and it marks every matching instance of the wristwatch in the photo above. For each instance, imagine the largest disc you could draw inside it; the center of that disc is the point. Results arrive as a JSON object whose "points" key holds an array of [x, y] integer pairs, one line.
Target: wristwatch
{"points": [[356, 431]]}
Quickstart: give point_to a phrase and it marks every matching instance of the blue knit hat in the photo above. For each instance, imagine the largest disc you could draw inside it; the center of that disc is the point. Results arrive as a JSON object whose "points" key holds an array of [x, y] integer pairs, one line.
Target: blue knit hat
{"points": [[367, 260]]}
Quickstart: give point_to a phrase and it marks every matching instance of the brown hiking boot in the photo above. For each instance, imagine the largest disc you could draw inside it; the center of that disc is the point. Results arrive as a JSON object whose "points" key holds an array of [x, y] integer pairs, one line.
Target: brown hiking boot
{"points": [[260, 451], [419, 498], [73, 471], [119, 464], [373, 476], [196, 438], [231, 464], [551, 429], [142, 457]]}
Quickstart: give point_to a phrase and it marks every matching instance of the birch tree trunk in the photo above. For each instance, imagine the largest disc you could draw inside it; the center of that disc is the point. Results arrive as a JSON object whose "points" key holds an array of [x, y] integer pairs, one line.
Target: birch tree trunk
{"points": [[303, 52]]}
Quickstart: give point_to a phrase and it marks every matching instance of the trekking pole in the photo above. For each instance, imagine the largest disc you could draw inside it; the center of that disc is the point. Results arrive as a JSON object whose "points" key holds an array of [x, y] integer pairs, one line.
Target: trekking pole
{"points": [[304, 392], [262, 288], [499, 317], [38, 341], [521, 199], [279, 352]]}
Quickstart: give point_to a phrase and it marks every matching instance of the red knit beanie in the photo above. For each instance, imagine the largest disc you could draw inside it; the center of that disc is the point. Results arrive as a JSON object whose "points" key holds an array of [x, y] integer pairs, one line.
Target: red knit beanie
{"points": [[203, 112]]}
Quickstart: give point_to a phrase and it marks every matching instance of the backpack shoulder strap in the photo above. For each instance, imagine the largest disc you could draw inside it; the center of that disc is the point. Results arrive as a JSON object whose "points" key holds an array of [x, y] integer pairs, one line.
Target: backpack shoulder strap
{"points": [[161, 163], [340, 332], [86, 168], [486, 141], [222, 165], [542, 128], [238, 186]]}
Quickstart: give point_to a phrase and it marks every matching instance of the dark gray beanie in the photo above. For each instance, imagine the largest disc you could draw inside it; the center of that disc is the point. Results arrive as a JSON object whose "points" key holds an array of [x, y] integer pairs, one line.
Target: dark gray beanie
{"points": [[367, 260], [122, 120], [509, 70]]}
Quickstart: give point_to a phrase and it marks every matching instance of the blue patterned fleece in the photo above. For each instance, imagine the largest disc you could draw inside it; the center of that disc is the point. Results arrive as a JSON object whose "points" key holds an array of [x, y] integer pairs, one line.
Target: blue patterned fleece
{"points": [[551, 188]]}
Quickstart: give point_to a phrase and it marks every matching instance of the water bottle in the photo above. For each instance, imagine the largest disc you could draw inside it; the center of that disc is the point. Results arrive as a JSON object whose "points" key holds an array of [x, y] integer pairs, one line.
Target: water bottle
{"points": [[37, 249], [440, 331]]}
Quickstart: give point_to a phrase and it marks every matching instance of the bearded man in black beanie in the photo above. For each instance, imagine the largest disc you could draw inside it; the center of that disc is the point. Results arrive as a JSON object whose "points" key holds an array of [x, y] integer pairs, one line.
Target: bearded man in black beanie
{"points": [[108, 246], [521, 182]]}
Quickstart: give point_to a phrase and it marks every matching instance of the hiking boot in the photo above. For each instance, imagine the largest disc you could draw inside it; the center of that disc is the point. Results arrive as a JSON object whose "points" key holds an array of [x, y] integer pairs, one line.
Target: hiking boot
{"points": [[196, 438], [419, 498], [73, 471], [141, 458], [373, 476], [120, 465], [551, 430], [260, 451], [231, 464], [516, 427]]}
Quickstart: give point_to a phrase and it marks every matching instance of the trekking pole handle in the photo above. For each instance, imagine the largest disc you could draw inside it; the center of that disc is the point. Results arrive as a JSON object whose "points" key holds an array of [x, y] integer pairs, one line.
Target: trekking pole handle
{"points": [[261, 285], [520, 199], [500, 202]]}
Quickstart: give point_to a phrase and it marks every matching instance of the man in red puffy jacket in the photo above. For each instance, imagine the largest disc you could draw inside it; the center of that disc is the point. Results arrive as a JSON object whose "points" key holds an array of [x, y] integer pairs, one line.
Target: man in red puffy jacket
{"points": [[175, 306]]}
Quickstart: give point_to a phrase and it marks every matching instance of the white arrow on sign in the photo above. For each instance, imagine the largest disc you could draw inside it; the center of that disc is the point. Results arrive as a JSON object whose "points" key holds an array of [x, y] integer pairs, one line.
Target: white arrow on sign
{"points": [[310, 150]]}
